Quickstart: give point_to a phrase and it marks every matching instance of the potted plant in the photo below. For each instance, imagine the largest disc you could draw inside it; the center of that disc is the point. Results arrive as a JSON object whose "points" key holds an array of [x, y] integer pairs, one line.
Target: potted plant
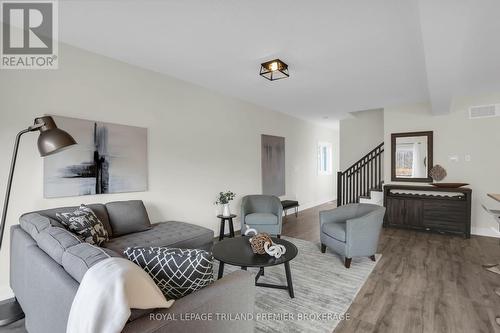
{"points": [[223, 199]]}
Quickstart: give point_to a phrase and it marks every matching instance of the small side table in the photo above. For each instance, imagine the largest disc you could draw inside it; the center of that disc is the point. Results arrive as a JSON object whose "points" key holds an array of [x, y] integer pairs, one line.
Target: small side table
{"points": [[287, 204], [223, 220]]}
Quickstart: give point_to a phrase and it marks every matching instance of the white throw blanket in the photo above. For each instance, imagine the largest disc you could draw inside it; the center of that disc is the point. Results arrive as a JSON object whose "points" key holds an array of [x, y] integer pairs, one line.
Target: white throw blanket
{"points": [[108, 291]]}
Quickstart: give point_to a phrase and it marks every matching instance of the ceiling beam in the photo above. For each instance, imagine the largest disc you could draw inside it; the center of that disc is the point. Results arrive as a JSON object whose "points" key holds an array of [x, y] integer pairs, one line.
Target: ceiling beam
{"points": [[444, 24]]}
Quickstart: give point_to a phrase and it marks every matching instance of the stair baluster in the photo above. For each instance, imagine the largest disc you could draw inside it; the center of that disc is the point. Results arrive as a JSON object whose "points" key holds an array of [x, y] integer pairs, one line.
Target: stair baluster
{"points": [[360, 178]]}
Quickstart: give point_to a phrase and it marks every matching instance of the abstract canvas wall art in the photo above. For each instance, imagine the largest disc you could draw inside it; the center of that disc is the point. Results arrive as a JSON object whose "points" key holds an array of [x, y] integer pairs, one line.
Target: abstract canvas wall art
{"points": [[108, 158], [273, 165]]}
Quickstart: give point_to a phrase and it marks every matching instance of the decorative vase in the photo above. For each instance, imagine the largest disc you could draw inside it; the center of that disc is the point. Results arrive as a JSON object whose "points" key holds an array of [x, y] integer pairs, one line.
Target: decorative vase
{"points": [[226, 212]]}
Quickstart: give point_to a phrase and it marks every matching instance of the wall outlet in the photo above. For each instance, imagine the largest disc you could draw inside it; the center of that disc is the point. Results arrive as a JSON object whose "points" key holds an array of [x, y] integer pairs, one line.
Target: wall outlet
{"points": [[467, 158], [454, 158]]}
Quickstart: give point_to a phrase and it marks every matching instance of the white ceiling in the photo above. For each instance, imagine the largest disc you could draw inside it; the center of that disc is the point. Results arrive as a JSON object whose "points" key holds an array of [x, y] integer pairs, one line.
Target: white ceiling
{"points": [[343, 56]]}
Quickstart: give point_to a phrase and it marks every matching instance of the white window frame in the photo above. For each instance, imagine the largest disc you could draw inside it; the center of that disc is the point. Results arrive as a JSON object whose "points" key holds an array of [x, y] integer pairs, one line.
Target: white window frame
{"points": [[321, 158]]}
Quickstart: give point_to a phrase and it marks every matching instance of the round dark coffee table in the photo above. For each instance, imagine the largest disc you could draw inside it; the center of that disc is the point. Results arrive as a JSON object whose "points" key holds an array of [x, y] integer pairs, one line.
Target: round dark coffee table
{"points": [[237, 252]]}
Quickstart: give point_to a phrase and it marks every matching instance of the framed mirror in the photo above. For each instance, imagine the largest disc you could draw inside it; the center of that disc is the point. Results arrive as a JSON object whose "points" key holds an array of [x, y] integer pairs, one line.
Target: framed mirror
{"points": [[411, 156]]}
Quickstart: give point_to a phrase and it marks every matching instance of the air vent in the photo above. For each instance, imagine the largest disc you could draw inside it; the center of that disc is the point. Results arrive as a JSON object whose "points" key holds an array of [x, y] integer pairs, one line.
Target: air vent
{"points": [[484, 111]]}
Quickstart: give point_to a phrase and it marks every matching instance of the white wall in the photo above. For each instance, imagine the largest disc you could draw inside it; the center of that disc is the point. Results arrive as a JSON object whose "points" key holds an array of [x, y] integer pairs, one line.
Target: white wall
{"points": [[200, 142], [359, 134], [456, 134]]}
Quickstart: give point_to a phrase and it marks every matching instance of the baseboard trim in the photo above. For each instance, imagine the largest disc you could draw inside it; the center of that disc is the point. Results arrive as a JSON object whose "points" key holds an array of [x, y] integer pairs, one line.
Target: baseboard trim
{"points": [[315, 204], [487, 232]]}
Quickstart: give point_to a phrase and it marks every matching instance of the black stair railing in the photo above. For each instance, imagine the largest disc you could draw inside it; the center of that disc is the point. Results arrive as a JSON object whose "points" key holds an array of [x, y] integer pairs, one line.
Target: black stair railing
{"points": [[361, 177]]}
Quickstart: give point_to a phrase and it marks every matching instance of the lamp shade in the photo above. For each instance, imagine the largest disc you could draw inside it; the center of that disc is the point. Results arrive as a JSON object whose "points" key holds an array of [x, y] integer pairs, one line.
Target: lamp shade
{"points": [[51, 139]]}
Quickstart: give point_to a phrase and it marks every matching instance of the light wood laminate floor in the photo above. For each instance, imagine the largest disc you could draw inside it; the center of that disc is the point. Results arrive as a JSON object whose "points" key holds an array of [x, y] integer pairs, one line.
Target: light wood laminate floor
{"points": [[423, 283]]}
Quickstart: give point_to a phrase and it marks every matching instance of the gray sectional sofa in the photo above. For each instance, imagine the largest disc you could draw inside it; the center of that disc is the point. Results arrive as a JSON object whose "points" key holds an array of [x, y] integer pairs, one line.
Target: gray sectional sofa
{"points": [[48, 262]]}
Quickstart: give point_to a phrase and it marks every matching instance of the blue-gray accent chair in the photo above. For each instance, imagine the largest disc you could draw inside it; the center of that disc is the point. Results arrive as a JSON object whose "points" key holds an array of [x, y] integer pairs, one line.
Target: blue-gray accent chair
{"points": [[262, 212], [351, 230]]}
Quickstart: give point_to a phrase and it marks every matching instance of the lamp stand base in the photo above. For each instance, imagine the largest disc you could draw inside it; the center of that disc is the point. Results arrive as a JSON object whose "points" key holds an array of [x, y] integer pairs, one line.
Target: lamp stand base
{"points": [[10, 311]]}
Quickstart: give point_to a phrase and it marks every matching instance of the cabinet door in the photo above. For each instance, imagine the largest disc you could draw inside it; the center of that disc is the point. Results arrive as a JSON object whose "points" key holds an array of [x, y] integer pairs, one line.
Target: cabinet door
{"points": [[395, 211], [413, 212], [445, 215]]}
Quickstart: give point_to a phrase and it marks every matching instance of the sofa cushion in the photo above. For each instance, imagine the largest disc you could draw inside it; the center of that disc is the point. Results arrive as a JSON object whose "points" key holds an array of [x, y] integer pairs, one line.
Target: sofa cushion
{"points": [[165, 234], [85, 224], [177, 272], [127, 217], [261, 218], [54, 241], [98, 209], [335, 230], [34, 223], [77, 259]]}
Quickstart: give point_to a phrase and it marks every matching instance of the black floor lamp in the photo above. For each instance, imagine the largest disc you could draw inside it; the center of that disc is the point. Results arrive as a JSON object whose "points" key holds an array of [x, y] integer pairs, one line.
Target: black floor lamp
{"points": [[51, 140]]}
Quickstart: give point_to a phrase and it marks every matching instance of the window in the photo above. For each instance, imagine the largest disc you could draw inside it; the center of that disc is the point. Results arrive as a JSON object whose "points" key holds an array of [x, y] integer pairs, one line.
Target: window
{"points": [[324, 158], [404, 160]]}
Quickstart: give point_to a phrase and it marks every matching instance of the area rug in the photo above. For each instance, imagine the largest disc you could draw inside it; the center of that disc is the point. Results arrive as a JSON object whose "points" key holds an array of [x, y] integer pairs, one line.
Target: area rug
{"points": [[324, 290]]}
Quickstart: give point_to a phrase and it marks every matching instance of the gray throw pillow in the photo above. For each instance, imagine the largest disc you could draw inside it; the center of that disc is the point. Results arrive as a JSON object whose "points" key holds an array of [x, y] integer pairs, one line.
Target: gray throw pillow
{"points": [[177, 272], [126, 217], [85, 224]]}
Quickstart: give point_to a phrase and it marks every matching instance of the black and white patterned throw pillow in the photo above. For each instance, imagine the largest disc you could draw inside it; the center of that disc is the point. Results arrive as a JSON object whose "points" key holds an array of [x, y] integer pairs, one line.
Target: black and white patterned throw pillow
{"points": [[177, 272], [85, 224]]}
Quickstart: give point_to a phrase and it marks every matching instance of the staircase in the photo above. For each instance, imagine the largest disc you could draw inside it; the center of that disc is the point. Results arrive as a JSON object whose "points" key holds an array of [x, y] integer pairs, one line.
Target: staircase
{"points": [[362, 182]]}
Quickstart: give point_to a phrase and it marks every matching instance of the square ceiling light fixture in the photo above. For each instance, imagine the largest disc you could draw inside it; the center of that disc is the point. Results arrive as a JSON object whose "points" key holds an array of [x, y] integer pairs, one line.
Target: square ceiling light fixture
{"points": [[274, 70]]}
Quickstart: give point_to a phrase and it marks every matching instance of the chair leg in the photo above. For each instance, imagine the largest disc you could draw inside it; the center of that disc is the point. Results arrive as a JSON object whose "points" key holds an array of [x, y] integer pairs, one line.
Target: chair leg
{"points": [[347, 262], [323, 248], [372, 257]]}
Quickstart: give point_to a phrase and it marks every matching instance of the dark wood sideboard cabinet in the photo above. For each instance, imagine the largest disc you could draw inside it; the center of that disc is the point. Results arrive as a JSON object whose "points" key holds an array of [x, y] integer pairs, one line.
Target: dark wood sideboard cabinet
{"points": [[443, 210]]}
